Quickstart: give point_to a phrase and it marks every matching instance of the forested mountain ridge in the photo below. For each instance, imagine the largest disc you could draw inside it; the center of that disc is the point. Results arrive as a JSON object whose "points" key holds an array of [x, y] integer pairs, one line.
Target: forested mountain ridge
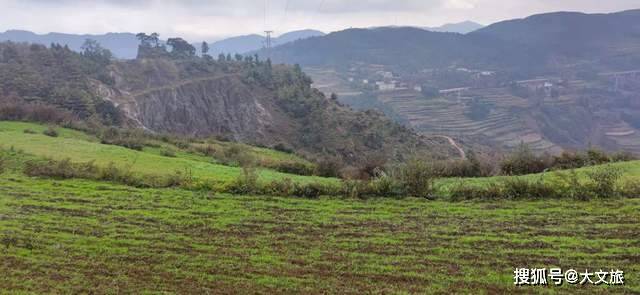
{"points": [[243, 99], [533, 45]]}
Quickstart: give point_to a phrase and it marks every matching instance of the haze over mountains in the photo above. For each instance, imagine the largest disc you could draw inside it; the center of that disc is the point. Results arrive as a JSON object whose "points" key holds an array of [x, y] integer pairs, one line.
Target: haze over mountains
{"points": [[554, 81], [462, 27], [125, 45], [530, 44]]}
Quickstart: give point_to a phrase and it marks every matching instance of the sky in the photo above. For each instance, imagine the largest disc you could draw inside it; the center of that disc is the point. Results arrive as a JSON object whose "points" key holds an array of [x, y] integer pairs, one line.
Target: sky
{"points": [[210, 20]]}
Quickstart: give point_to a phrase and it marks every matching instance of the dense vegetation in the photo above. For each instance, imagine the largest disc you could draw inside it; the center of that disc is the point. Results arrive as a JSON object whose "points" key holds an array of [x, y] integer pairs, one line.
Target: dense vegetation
{"points": [[57, 76]]}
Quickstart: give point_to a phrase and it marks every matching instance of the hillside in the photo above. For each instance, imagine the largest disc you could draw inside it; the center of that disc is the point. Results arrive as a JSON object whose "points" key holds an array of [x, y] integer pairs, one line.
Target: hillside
{"points": [[611, 39], [557, 81], [535, 44], [247, 101], [75, 235], [248, 43]]}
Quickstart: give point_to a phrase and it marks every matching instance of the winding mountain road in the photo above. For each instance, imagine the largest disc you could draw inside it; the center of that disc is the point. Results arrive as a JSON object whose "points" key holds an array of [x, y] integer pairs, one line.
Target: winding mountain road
{"points": [[453, 143]]}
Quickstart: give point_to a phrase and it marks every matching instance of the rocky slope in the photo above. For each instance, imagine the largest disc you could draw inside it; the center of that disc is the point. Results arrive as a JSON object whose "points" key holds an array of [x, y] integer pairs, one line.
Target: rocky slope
{"points": [[255, 103]]}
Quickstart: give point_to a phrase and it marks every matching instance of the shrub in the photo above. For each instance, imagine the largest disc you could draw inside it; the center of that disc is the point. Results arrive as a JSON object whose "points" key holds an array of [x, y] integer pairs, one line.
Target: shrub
{"points": [[283, 148], [14, 109], [168, 153], [2, 164], [602, 181], [282, 187], [417, 177], [63, 169], [518, 188], [354, 189], [180, 178], [292, 167], [462, 191], [50, 132], [328, 167], [310, 190], [630, 189], [129, 139], [246, 182], [387, 186], [523, 161], [472, 166]]}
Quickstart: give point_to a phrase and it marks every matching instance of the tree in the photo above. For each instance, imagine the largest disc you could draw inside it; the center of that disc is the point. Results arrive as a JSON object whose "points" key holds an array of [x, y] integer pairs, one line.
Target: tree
{"points": [[94, 51], [181, 48], [205, 48], [144, 39], [154, 38]]}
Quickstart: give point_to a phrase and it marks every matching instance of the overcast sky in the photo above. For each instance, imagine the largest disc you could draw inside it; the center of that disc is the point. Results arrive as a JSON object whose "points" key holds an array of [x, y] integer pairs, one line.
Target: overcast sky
{"points": [[198, 20]]}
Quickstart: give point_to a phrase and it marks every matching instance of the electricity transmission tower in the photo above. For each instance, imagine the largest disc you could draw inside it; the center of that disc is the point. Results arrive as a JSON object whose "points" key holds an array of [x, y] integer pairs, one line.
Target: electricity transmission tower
{"points": [[268, 42]]}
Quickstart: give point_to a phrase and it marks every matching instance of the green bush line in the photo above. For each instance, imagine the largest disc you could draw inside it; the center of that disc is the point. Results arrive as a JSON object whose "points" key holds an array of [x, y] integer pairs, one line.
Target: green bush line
{"points": [[410, 180]]}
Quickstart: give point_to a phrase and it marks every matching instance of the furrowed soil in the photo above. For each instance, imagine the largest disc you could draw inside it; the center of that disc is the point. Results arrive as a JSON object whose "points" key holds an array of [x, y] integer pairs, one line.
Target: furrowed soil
{"points": [[78, 236]]}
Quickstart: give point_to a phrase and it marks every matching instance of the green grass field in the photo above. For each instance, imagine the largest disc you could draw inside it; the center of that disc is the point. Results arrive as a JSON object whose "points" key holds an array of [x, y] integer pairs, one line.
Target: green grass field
{"points": [[82, 236], [80, 147]]}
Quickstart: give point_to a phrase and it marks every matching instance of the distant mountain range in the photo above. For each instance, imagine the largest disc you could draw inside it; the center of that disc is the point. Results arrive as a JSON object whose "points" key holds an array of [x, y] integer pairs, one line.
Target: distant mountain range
{"points": [[125, 45], [462, 27], [248, 43], [534, 43], [122, 45]]}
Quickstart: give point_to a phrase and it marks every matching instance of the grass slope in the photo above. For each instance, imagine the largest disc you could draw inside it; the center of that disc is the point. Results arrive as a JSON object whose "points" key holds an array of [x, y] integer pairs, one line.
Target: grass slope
{"points": [[80, 236], [80, 147]]}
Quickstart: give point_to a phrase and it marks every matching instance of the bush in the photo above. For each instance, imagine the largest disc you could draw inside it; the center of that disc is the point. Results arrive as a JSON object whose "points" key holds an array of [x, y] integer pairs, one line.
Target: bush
{"points": [[328, 167], [63, 169], [50, 132], [283, 187], [180, 179], [523, 161], [13, 109], [129, 139], [246, 182], [602, 182], [283, 148], [387, 186], [461, 192], [630, 189], [292, 167], [168, 153], [518, 188], [310, 190], [417, 177]]}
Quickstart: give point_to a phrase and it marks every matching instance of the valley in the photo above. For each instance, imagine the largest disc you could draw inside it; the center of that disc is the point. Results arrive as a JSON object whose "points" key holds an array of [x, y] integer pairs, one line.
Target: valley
{"points": [[539, 113]]}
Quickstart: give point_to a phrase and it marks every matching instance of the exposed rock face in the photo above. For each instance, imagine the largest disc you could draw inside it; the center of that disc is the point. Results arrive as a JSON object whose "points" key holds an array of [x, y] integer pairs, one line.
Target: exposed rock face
{"points": [[205, 107], [161, 96]]}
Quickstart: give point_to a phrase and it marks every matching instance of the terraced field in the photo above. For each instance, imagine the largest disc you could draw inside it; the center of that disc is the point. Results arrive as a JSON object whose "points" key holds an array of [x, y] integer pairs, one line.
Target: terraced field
{"points": [[446, 116]]}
